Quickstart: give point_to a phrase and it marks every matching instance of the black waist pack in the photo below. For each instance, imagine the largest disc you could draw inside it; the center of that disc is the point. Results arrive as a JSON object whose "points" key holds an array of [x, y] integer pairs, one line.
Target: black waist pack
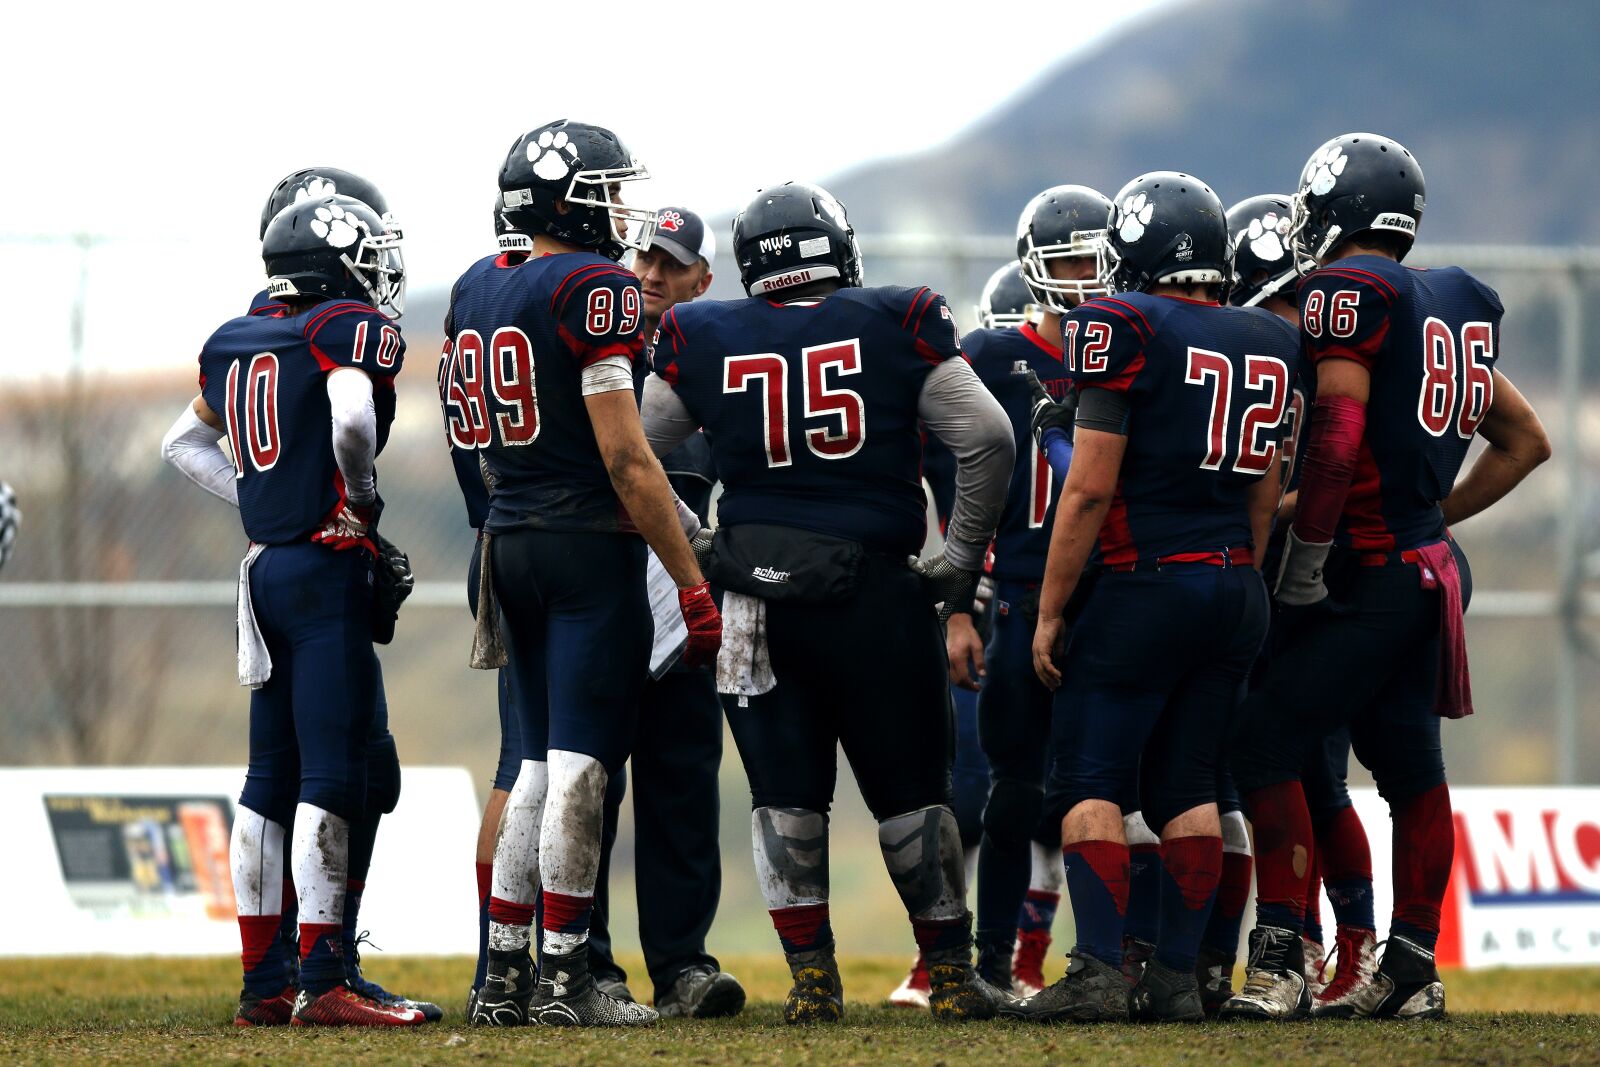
{"points": [[783, 564]]}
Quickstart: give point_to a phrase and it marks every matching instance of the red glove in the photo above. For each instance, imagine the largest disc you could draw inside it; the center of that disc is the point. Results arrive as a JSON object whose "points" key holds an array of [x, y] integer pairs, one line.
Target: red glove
{"points": [[704, 621], [348, 527]]}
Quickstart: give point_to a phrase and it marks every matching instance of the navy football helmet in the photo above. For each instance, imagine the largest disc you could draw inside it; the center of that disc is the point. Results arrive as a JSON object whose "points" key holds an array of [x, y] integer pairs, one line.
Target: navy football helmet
{"points": [[313, 182], [1263, 262], [1353, 183], [1166, 228], [1063, 222], [564, 179], [508, 238], [1005, 299], [794, 234], [335, 246]]}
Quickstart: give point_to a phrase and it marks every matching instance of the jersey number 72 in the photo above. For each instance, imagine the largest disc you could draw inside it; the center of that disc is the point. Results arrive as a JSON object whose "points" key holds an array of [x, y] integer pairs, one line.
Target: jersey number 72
{"points": [[1262, 374]]}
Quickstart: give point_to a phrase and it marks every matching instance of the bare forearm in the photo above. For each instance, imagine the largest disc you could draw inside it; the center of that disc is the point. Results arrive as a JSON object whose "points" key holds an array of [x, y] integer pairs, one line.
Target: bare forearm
{"points": [[1494, 474], [1263, 503], [642, 487], [1079, 516]]}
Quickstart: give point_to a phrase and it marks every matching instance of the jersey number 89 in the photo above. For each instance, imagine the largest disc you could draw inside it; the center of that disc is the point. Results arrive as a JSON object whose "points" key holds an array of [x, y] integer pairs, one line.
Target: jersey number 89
{"points": [[468, 380]]}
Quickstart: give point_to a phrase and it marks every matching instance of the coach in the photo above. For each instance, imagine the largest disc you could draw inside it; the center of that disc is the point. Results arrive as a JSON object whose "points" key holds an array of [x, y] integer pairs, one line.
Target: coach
{"points": [[677, 750]]}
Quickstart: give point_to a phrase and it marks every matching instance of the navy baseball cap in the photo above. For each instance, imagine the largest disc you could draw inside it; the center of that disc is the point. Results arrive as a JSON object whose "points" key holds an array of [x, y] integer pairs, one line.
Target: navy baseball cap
{"points": [[685, 235]]}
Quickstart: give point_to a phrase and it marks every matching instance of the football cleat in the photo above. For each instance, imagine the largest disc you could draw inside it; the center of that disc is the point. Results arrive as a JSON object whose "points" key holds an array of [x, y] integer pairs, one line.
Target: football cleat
{"points": [[1407, 985], [1214, 973], [1316, 959], [568, 996], [1027, 965], [256, 1010], [702, 992], [1275, 979], [912, 992], [1090, 992], [373, 991], [957, 993], [1356, 954], [343, 1006], [507, 990], [1163, 995], [1135, 954], [817, 995]]}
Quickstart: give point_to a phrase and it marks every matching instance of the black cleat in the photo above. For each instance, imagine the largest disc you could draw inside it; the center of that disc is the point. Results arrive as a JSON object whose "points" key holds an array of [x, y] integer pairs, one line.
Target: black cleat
{"points": [[507, 990], [818, 993], [568, 996], [1163, 995], [958, 993], [1407, 984], [1090, 992], [702, 992]]}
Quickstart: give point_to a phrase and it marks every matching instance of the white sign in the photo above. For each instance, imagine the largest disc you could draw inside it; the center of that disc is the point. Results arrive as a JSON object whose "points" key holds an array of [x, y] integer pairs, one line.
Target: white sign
{"points": [[134, 861]]}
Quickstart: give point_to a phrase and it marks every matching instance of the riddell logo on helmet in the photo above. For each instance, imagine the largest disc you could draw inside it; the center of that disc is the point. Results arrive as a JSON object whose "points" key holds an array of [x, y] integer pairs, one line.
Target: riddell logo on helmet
{"points": [[783, 281]]}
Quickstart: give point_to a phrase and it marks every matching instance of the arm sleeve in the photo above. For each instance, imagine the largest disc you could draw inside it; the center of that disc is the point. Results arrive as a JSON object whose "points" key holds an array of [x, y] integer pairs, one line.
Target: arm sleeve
{"points": [[355, 434], [1058, 452], [1103, 409], [196, 450], [966, 417], [599, 313], [667, 420]]}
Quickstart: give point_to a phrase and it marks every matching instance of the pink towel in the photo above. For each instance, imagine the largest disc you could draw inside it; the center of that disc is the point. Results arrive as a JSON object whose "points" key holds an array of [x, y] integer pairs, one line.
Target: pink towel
{"points": [[1453, 691]]}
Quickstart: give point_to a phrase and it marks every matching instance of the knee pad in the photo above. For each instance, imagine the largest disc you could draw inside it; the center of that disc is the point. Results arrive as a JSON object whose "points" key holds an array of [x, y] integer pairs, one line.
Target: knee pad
{"points": [[791, 853], [1138, 832], [922, 850], [1012, 814], [383, 776], [1235, 833]]}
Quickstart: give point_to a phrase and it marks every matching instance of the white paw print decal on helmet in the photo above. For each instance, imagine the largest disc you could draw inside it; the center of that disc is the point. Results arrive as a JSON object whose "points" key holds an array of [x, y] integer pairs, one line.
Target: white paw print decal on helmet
{"points": [[1136, 212], [1325, 168], [552, 155], [1268, 236], [314, 188], [334, 225]]}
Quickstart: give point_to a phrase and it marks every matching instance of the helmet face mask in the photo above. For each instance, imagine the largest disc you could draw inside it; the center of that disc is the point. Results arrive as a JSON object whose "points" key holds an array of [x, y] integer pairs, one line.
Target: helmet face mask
{"points": [[1063, 222]]}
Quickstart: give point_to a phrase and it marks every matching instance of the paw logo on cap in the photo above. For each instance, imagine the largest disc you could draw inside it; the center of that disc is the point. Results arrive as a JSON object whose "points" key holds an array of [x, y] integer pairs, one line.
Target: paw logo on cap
{"points": [[670, 221]]}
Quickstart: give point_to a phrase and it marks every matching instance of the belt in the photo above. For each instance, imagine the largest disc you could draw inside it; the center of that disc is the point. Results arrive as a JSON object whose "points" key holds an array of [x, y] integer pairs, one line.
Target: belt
{"points": [[1388, 559], [1227, 557]]}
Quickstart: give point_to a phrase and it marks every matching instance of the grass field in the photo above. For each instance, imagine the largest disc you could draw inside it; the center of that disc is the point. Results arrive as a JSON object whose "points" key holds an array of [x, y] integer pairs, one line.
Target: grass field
{"points": [[178, 1011]]}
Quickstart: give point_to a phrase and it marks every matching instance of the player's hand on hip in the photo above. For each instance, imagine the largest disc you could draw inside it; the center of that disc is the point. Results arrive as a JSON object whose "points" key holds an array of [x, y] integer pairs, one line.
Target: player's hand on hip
{"points": [[950, 586], [964, 645], [704, 621], [348, 527], [1048, 643]]}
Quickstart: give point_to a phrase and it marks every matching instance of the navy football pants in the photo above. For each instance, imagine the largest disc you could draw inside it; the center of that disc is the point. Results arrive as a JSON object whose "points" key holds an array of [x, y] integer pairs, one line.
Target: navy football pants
{"points": [[578, 631], [1154, 670], [868, 675], [312, 723], [1370, 662]]}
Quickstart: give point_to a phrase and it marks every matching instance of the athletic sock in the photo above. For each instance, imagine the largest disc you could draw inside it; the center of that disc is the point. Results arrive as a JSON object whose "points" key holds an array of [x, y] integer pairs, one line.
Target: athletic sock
{"points": [[321, 866], [1313, 924], [1345, 858], [1002, 881], [1227, 913], [1144, 893], [1038, 911], [1424, 849], [262, 954], [255, 861], [1284, 843], [1097, 884], [1191, 867], [565, 921], [803, 927], [485, 879]]}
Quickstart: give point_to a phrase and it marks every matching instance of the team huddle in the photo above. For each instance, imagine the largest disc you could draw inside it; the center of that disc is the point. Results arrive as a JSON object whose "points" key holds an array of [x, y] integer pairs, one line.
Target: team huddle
{"points": [[1195, 474]]}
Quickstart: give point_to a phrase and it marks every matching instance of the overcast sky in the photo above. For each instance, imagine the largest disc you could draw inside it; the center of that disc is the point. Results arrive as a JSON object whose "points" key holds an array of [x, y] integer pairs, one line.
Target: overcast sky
{"points": [[163, 126]]}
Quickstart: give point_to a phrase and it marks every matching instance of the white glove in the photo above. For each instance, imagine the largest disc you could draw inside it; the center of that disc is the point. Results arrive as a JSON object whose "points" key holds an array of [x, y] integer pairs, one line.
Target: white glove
{"points": [[1300, 574]]}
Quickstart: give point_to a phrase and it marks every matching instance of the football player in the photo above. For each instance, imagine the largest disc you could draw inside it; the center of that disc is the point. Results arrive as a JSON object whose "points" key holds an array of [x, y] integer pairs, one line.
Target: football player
{"points": [[812, 393], [274, 383], [1173, 480], [545, 355], [1406, 378], [383, 761], [1264, 276], [10, 521], [678, 749], [1058, 235]]}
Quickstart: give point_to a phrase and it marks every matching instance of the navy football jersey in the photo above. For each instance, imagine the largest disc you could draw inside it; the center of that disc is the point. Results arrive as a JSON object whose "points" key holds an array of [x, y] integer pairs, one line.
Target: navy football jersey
{"points": [[1208, 388], [264, 303], [1002, 359], [264, 374], [811, 406], [1430, 339], [520, 333]]}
